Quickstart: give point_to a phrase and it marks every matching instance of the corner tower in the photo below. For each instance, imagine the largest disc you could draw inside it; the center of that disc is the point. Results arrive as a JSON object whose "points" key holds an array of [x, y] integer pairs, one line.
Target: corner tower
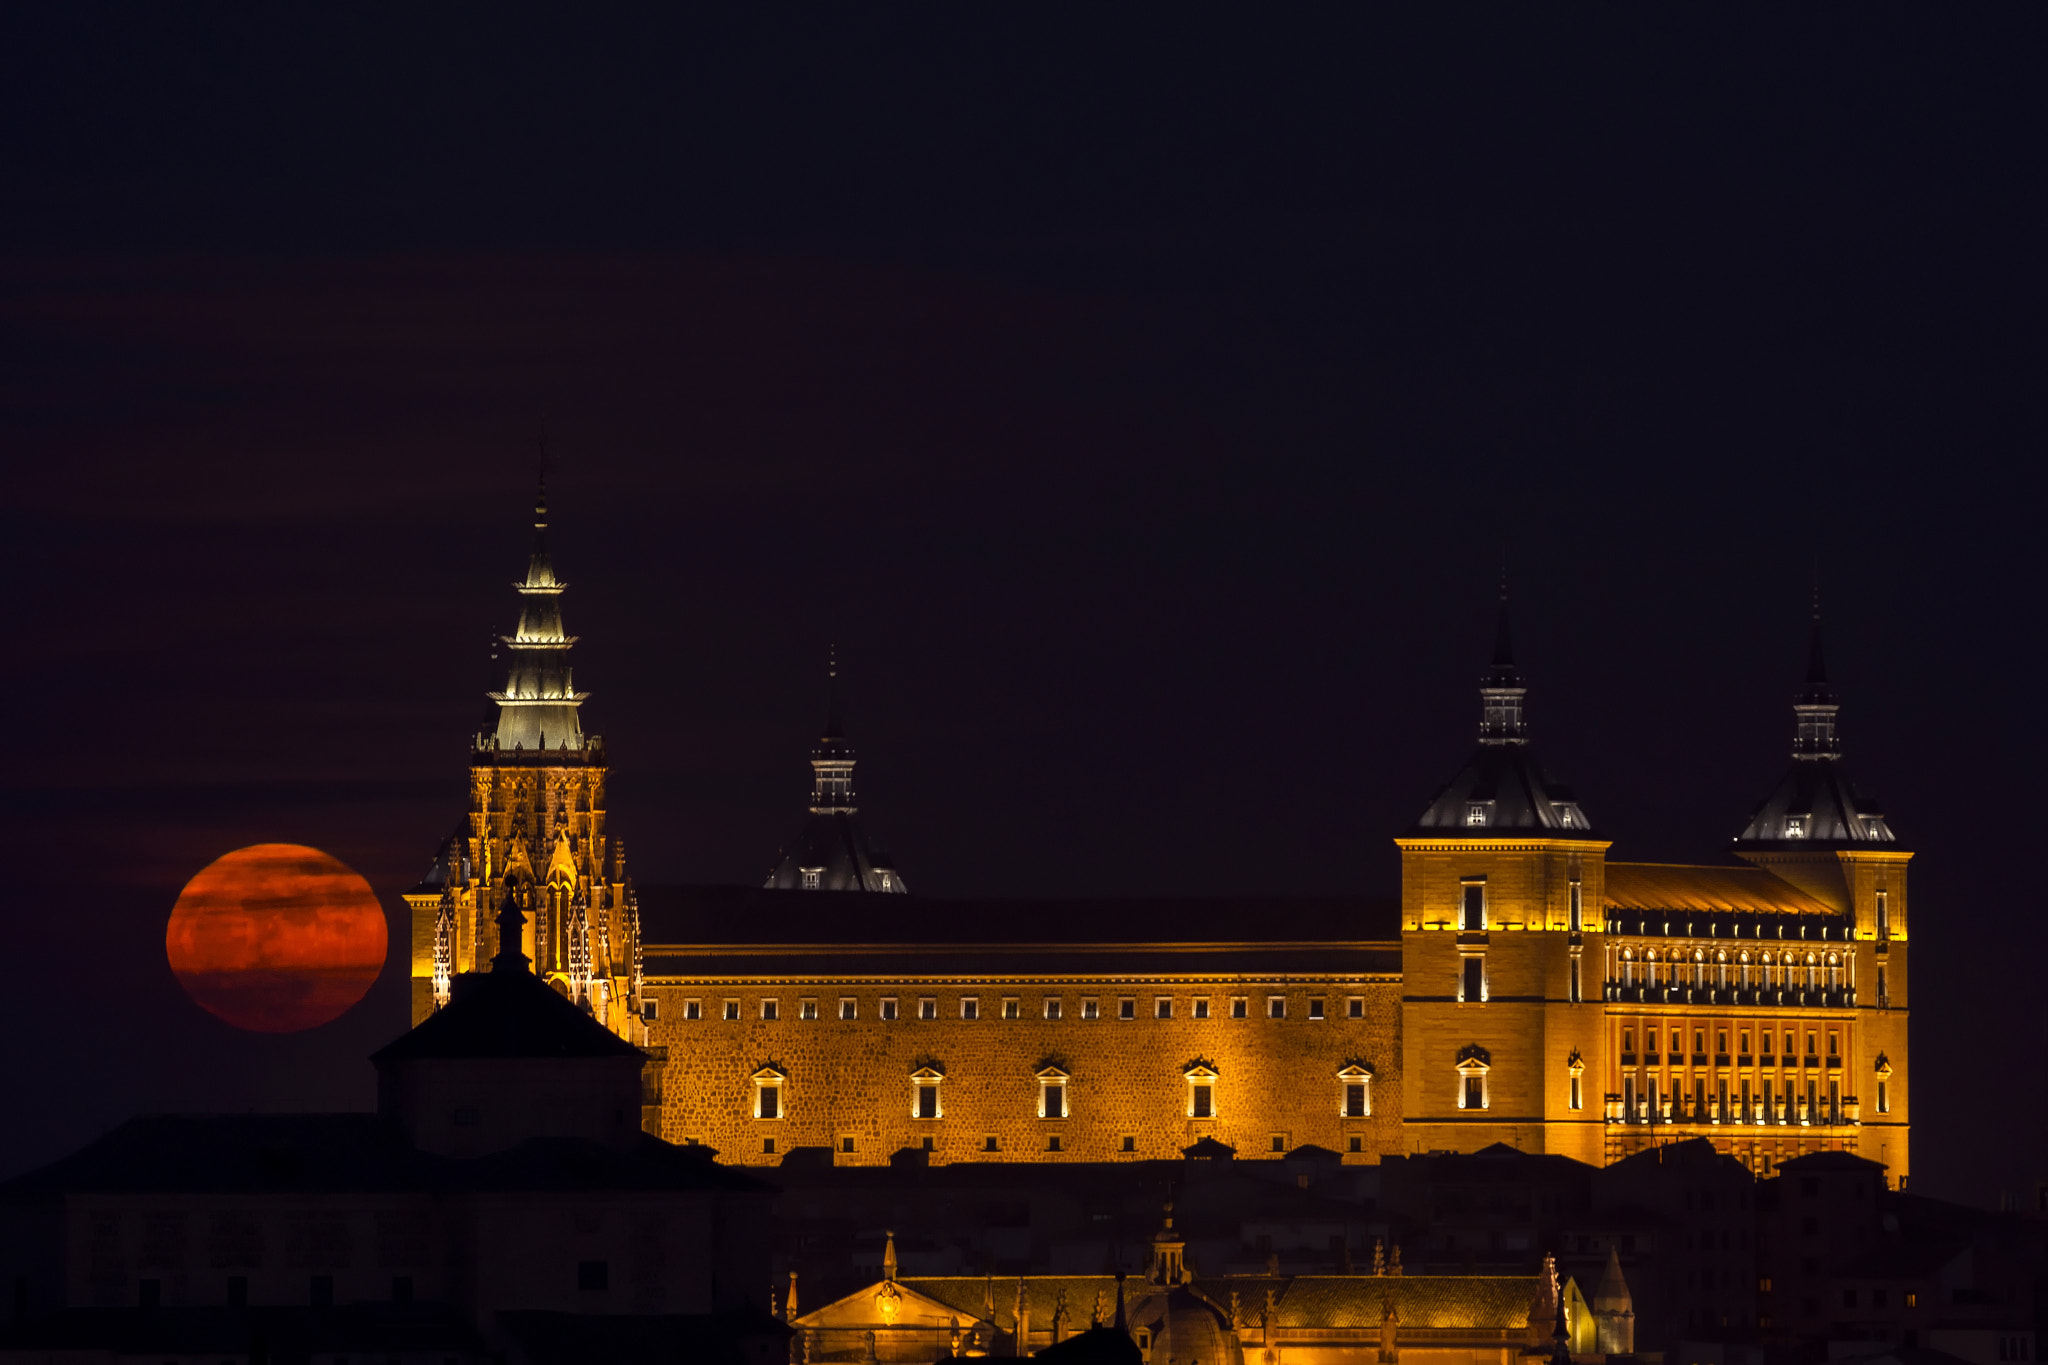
{"points": [[536, 835], [1819, 831], [1501, 880], [831, 852]]}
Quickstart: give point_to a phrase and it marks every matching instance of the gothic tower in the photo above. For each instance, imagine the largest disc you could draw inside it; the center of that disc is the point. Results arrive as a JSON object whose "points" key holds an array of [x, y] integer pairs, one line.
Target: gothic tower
{"points": [[536, 833], [1501, 880], [831, 851], [1820, 832]]}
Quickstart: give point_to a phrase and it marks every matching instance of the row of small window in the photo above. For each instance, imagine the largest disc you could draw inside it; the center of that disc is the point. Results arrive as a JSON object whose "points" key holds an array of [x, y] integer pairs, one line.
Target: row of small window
{"points": [[1785, 1106], [1012, 1007], [1815, 973], [1652, 1038], [1472, 904], [849, 1143], [1354, 1094]]}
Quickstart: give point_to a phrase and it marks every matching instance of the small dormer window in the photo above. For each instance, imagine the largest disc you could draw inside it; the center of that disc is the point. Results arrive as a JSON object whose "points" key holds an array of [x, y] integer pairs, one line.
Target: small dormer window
{"points": [[1795, 827], [1475, 814], [811, 875], [888, 881]]}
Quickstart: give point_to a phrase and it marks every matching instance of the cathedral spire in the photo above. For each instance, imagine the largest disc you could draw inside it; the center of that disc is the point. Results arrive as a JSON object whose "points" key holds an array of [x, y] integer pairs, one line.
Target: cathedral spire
{"points": [[538, 708], [1502, 690]]}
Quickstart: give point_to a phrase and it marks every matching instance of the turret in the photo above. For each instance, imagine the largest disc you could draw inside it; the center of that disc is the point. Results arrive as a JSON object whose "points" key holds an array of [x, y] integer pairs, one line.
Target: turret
{"points": [[831, 851], [1614, 1315]]}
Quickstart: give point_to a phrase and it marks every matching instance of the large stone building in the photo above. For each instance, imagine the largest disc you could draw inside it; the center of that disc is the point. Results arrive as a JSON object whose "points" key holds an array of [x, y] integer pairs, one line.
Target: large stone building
{"points": [[1524, 990]]}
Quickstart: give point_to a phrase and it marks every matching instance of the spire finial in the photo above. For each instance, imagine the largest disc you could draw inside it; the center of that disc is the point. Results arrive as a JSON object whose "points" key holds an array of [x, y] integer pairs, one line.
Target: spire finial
{"points": [[1503, 644], [834, 727], [1816, 668], [511, 929], [1501, 690]]}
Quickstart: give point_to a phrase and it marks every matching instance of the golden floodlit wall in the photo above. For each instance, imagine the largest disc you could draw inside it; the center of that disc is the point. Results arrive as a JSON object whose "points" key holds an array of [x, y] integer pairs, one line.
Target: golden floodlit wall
{"points": [[1128, 1085]]}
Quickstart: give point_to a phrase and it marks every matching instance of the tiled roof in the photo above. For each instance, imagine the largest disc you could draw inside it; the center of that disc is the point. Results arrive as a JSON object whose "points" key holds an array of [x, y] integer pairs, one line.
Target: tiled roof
{"points": [[1677, 886], [1486, 1302]]}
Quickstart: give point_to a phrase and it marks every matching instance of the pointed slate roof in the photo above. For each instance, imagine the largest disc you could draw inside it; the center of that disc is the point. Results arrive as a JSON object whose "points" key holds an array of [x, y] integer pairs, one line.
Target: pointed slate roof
{"points": [[1502, 791], [1815, 804], [831, 850]]}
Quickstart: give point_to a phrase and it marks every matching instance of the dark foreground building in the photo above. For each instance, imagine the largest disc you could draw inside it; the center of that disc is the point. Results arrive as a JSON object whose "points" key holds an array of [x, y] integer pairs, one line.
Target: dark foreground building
{"points": [[503, 1202]]}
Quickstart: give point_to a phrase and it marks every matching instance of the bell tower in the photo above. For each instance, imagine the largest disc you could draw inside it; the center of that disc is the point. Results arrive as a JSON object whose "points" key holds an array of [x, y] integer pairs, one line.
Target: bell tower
{"points": [[1501, 948], [536, 835]]}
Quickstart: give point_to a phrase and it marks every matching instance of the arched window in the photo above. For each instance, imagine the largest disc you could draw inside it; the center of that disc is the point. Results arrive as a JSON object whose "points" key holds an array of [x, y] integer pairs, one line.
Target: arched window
{"points": [[1699, 968], [1745, 971], [1628, 967]]}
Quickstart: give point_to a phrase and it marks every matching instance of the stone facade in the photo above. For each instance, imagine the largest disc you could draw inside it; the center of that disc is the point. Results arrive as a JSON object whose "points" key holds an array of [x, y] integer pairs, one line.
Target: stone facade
{"points": [[1125, 1086]]}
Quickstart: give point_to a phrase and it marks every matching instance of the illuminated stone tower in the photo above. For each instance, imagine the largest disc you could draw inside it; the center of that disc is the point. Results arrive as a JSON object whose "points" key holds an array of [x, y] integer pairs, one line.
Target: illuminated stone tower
{"points": [[1501, 940], [1818, 831], [536, 833], [831, 851]]}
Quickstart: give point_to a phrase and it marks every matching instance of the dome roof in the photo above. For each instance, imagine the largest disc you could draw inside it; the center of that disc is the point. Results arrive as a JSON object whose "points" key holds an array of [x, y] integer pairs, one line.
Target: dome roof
{"points": [[1815, 803], [1502, 789]]}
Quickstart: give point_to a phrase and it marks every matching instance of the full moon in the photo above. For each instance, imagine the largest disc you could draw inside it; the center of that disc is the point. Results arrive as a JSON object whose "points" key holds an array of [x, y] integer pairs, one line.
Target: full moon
{"points": [[275, 938]]}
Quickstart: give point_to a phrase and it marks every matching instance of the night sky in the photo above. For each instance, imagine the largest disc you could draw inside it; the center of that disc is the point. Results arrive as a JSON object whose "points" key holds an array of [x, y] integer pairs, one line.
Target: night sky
{"points": [[1146, 406]]}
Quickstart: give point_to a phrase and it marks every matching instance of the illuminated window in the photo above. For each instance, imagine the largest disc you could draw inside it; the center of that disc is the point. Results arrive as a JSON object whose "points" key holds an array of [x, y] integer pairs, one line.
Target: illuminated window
{"points": [[1576, 1066], [1052, 1007], [1475, 813], [1574, 994], [1240, 1007], [1091, 1008], [1052, 1093], [1472, 983], [1575, 904], [1162, 1007], [1199, 1007], [807, 1008], [1201, 1078], [1127, 1007], [1354, 1091], [1354, 1008], [1473, 907], [1795, 827], [888, 880], [1578, 1092], [970, 1007], [768, 1093], [1315, 1007], [810, 875], [1628, 1042], [847, 1008], [1012, 1007], [693, 1009], [927, 1007], [771, 1009], [1473, 1064], [732, 1009], [1884, 913], [924, 1093], [1276, 1007], [1912, 1299], [887, 1007]]}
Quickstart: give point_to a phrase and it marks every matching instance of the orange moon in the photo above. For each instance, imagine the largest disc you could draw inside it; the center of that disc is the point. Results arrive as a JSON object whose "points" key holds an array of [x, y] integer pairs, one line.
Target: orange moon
{"points": [[275, 938]]}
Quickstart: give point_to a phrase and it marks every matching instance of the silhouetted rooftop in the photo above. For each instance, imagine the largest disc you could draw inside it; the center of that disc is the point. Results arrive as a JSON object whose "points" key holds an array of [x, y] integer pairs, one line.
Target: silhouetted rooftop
{"points": [[506, 1013]]}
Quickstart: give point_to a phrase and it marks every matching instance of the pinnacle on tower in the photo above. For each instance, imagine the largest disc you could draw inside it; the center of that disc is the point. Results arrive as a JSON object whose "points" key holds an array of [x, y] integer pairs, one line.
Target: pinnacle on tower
{"points": [[1815, 708], [538, 708], [1502, 690], [511, 926]]}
